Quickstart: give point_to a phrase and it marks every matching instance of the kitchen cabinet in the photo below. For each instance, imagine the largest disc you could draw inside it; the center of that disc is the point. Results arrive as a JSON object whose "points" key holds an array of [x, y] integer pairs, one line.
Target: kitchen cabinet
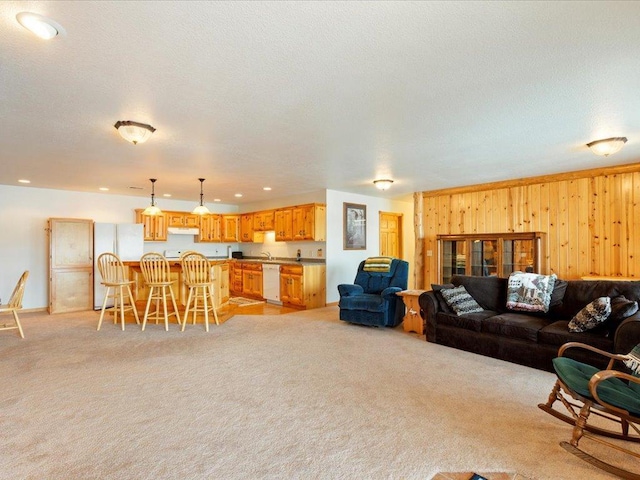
{"points": [[222, 272], [491, 254], [210, 228], [309, 222], [182, 219], [230, 228], [263, 221], [252, 279], [246, 227], [155, 226], [235, 278], [283, 225], [303, 286]]}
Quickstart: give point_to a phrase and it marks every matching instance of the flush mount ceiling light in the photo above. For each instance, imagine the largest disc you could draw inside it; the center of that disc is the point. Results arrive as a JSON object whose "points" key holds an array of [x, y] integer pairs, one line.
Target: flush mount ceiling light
{"points": [[382, 184], [153, 208], [134, 132], [43, 27], [202, 208], [607, 146]]}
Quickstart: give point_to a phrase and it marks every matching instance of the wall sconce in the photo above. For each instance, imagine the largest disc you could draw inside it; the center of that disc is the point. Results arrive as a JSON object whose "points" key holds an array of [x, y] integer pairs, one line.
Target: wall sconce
{"points": [[153, 208], [134, 132], [202, 208], [607, 146], [383, 184]]}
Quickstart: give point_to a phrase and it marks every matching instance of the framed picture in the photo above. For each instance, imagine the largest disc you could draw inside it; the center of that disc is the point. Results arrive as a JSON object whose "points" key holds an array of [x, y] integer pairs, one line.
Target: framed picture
{"points": [[355, 226]]}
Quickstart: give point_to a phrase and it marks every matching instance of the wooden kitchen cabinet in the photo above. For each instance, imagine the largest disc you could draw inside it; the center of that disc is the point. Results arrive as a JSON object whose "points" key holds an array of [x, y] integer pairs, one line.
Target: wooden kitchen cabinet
{"points": [[182, 219], [263, 221], [283, 225], [309, 222], [155, 226], [246, 227], [235, 278], [252, 279], [303, 285], [230, 228], [210, 228]]}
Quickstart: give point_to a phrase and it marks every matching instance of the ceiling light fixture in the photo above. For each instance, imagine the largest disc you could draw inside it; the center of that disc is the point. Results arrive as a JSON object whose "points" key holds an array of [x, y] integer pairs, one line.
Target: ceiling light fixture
{"points": [[153, 208], [40, 26], [607, 146], [134, 132], [382, 184], [202, 208]]}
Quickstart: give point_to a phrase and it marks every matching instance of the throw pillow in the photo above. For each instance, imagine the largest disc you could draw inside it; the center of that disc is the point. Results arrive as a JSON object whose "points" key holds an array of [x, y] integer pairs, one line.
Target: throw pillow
{"points": [[460, 301], [441, 302], [591, 316], [633, 360], [621, 308], [559, 289], [530, 292]]}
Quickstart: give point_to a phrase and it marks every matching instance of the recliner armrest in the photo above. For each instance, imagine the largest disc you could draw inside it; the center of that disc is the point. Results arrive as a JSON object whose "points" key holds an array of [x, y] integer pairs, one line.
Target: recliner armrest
{"points": [[390, 292], [347, 290]]}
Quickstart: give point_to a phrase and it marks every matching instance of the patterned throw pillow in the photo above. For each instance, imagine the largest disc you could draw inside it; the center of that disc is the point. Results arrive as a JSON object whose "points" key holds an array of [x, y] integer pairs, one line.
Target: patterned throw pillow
{"points": [[460, 301], [530, 292], [591, 316]]}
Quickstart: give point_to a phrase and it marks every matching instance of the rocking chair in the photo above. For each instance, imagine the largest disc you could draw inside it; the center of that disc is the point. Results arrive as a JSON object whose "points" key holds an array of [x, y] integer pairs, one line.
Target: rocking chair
{"points": [[611, 395]]}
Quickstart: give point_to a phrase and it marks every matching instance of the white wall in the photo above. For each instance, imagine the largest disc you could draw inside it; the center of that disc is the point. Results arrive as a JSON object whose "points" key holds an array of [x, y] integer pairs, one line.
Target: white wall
{"points": [[24, 212], [342, 265]]}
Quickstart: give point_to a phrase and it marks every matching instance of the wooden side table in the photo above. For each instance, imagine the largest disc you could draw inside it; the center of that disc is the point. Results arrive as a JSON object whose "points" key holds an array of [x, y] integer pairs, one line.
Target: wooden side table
{"points": [[412, 321]]}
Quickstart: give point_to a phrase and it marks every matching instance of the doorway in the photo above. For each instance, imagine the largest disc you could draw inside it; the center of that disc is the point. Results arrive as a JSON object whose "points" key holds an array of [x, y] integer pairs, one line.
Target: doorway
{"points": [[391, 234]]}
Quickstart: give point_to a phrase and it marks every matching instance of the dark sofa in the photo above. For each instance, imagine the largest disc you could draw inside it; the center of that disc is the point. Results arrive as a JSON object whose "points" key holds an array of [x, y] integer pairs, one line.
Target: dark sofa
{"points": [[530, 339]]}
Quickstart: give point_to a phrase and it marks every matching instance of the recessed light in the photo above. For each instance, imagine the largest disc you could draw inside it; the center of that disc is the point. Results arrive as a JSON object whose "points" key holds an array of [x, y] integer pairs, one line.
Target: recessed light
{"points": [[103, 189], [238, 195], [24, 181], [166, 194], [267, 189], [40, 26]]}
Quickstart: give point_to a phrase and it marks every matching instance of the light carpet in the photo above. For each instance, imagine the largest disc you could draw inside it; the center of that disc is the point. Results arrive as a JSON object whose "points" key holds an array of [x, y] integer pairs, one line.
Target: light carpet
{"points": [[300, 395]]}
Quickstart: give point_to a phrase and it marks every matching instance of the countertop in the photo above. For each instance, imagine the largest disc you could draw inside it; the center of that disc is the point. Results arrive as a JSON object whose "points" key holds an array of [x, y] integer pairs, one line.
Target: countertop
{"points": [[219, 260]]}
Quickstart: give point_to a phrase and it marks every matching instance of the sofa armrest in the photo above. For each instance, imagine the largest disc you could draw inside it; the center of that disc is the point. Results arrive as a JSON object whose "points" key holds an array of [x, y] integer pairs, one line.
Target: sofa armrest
{"points": [[429, 307], [627, 334], [347, 290], [390, 293]]}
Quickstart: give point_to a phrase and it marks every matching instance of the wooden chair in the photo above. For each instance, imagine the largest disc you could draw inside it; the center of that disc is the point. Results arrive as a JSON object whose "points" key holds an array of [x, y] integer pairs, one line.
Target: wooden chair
{"points": [[157, 275], [612, 395], [198, 279], [15, 304], [113, 277]]}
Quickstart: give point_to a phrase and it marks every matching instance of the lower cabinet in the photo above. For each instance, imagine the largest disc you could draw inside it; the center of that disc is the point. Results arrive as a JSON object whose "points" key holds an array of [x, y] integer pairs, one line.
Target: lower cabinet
{"points": [[303, 285], [252, 279]]}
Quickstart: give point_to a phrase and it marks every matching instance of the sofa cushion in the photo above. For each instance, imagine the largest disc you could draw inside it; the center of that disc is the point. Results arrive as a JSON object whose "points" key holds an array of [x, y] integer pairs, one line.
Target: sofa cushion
{"points": [[559, 289], [530, 292], [591, 315], [366, 301], [489, 292], [470, 321], [515, 325], [621, 308], [460, 301], [557, 333], [442, 304], [581, 292]]}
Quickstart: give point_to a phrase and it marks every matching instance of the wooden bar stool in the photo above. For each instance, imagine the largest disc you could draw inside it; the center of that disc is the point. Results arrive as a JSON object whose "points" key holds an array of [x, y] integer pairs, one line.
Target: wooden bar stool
{"points": [[197, 277], [113, 277], [15, 304], [156, 272]]}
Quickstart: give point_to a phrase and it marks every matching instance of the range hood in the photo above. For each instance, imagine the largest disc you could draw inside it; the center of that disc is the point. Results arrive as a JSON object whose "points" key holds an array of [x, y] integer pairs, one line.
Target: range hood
{"points": [[183, 231]]}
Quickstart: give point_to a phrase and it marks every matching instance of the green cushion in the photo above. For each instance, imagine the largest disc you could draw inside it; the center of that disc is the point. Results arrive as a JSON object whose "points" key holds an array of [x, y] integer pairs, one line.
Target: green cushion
{"points": [[576, 376]]}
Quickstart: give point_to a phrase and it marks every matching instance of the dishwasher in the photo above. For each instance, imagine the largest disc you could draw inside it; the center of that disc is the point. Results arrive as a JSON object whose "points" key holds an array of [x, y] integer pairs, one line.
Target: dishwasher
{"points": [[271, 283]]}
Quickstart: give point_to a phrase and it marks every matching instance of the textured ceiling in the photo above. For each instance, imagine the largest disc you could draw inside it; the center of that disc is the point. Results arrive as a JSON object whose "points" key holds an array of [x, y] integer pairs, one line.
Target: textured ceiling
{"points": [[303, 96]]}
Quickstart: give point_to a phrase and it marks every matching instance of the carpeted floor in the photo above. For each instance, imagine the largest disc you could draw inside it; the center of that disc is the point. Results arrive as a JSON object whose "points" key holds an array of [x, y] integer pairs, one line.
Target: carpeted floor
{"points": [[299, 395]]}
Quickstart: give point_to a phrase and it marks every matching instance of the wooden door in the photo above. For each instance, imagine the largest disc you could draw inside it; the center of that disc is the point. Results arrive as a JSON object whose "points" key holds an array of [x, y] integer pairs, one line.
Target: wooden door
{"points": [[70, 265], [391, 234]]}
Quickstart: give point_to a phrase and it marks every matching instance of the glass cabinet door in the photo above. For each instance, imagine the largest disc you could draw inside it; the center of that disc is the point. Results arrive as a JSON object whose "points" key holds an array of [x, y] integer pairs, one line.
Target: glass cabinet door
{"points": [[454, 259], [518, 256], [484, 258]]}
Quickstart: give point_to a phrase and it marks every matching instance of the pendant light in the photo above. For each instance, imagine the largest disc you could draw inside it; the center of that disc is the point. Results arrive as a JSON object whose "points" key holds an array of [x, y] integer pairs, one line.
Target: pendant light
{"points": [[152, 209], [202, 208]]}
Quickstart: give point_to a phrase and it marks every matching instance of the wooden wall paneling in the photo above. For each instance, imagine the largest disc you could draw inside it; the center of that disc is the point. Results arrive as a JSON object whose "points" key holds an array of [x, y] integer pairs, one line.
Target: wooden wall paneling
{"points": [[594, 218], [564, 255], [581, 235], [626, 223], [552, 228], [634, 251], [618, 265]]}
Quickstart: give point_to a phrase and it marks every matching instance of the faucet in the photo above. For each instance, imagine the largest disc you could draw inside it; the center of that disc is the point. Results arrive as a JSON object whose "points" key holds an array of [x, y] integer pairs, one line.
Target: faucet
{"points": [[267, 254]]}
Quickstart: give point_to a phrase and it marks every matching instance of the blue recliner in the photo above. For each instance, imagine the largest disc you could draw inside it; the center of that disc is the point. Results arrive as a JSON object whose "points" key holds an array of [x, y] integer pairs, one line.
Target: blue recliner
{"points": [[373, 300]]}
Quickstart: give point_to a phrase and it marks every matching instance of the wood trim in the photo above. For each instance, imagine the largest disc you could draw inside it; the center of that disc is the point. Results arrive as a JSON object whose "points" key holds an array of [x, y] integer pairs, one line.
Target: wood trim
{"points": [[527, 181]]}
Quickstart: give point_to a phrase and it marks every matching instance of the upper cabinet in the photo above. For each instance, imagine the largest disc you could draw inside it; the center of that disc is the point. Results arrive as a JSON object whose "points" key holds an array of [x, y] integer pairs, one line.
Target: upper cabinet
{"points": [[309, 222], [283, 220], [490, 254], [246, 227], [263, 221], [230, 228], [155, 226], [210, 228], [182, 219]]}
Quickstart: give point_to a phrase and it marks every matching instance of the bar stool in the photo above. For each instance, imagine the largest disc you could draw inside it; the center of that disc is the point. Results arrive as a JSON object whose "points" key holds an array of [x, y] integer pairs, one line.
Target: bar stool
{"points": [[197, 277], [113, 277], [156, 272], [15, 304]]}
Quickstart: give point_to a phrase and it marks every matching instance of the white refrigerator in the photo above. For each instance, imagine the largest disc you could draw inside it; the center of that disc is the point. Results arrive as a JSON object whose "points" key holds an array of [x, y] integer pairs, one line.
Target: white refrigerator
{"points": [[124, 239]]}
